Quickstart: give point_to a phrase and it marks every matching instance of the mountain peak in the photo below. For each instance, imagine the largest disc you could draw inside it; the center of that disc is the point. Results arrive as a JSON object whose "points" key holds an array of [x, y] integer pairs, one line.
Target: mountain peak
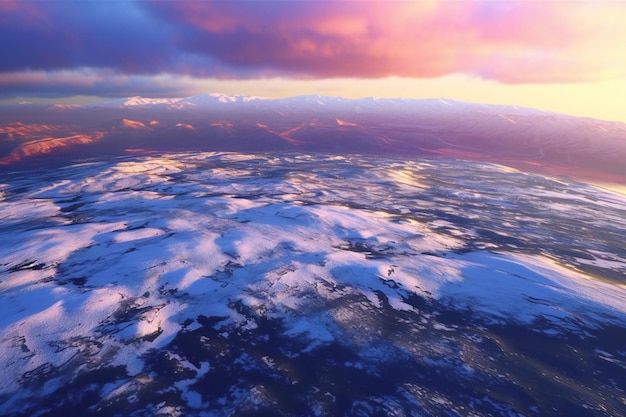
{"points": [[143, 101]]}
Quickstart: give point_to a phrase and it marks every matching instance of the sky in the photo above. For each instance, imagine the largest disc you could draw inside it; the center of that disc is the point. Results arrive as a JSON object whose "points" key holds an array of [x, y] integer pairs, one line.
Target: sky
{"points": [[567, 56]]}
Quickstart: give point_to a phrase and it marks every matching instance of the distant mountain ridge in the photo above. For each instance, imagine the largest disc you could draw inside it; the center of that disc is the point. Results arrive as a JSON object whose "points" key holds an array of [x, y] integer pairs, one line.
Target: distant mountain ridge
{"points": [[515, 136], [176, 102]]}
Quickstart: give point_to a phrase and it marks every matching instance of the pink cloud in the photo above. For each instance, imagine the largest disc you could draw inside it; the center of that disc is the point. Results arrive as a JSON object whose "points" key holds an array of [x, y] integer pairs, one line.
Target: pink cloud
{"points": [[509, 41], [113, 48]]}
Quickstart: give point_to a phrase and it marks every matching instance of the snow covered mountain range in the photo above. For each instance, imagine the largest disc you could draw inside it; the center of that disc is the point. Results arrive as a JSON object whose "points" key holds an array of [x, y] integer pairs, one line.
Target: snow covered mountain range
{"points": [[519, 137], [310, 256]]}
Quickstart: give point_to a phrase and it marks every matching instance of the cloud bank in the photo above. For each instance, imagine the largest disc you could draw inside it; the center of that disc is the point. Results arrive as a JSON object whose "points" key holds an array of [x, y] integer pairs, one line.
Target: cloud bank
{"points": [[95, 47]]}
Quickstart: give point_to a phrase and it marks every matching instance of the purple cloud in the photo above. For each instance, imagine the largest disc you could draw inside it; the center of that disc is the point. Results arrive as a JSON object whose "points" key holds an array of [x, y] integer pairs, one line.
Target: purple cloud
{"points": [[512, 42]]}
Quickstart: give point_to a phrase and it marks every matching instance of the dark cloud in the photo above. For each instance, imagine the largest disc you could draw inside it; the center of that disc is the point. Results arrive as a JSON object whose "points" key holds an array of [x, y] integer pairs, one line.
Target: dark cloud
{"points": [[52, 35]]}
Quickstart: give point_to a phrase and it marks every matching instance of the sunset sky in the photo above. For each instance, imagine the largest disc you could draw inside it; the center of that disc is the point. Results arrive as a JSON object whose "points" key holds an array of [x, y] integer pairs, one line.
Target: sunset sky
{"points": [[564, 56]]}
